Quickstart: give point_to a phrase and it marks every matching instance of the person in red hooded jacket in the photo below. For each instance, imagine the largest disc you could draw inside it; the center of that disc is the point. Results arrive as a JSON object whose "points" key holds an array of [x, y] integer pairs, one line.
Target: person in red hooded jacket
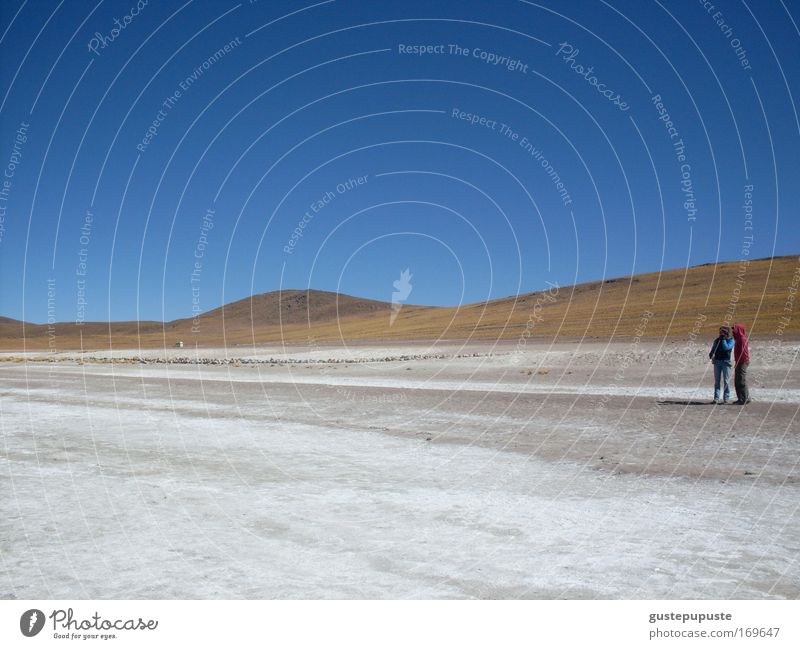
{"points": [[741, 357]]}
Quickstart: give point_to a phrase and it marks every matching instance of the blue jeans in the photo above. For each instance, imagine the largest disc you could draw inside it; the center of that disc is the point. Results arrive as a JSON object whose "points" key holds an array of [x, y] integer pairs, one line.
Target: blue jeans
{"points": [[722, 370]]}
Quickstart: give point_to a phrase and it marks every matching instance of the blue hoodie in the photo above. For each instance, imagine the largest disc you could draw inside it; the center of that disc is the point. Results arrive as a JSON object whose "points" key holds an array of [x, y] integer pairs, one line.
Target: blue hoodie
{"points": [[721, 349]]}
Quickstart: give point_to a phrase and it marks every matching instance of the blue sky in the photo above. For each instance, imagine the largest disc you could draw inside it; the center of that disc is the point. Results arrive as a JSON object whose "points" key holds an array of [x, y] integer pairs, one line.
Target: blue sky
{"points": [[259, 110]]}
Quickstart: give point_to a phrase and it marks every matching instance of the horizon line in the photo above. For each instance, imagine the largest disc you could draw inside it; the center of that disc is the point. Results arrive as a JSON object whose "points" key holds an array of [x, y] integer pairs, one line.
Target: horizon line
{"points": [[408, 305]]}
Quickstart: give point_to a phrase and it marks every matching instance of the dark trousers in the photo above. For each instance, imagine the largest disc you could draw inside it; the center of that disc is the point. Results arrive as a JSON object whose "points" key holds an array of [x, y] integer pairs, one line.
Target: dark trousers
{"points": [[740, 382]]}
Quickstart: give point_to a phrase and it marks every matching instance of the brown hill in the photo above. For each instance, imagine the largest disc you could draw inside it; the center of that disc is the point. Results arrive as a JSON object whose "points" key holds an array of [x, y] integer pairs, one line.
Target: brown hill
{"points": [[676, 303], [288, 308]]}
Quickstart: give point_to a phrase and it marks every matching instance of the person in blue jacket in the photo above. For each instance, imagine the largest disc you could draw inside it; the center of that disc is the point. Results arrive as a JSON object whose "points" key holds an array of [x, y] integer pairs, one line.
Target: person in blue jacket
{"points": [[720, 355]]}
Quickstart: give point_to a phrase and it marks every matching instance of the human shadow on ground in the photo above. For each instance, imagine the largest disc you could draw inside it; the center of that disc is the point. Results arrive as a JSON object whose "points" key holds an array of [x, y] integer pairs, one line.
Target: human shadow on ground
{"points": [[685, 402]]}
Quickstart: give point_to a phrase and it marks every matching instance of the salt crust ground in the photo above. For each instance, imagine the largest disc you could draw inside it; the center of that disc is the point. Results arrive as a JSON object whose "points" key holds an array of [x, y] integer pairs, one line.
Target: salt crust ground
{"points": [[569, 471]]}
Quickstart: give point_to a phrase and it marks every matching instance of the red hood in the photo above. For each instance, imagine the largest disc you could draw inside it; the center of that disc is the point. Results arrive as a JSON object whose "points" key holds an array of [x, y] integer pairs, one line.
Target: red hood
{"points": [[741, 351]]}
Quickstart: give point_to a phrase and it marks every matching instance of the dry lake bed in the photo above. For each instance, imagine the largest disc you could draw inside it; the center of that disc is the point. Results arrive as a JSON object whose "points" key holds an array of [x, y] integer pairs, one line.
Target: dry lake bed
{"points": [[401, 471]]}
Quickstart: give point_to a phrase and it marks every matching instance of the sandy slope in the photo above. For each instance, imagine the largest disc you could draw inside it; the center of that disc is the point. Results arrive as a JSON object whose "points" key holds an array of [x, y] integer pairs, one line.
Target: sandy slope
{"points": [[563, 471], [676, 303]]}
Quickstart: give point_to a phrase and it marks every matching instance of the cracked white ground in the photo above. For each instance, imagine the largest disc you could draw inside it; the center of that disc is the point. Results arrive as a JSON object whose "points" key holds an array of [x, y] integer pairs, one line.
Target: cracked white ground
{"points": [[546, 472]]}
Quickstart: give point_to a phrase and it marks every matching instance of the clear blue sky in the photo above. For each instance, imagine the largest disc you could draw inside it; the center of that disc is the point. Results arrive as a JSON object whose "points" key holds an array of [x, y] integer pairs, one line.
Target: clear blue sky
{"points": [[308, 96]]}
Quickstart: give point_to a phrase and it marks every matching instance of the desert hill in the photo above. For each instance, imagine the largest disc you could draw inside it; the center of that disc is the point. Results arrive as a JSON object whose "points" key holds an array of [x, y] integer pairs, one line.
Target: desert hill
{"points": [[292, 307], [674, 303]]}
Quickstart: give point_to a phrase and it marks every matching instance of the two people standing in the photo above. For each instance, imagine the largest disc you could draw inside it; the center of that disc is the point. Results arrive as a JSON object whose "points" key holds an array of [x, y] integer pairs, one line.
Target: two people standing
{"points": [[722, 348]]}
